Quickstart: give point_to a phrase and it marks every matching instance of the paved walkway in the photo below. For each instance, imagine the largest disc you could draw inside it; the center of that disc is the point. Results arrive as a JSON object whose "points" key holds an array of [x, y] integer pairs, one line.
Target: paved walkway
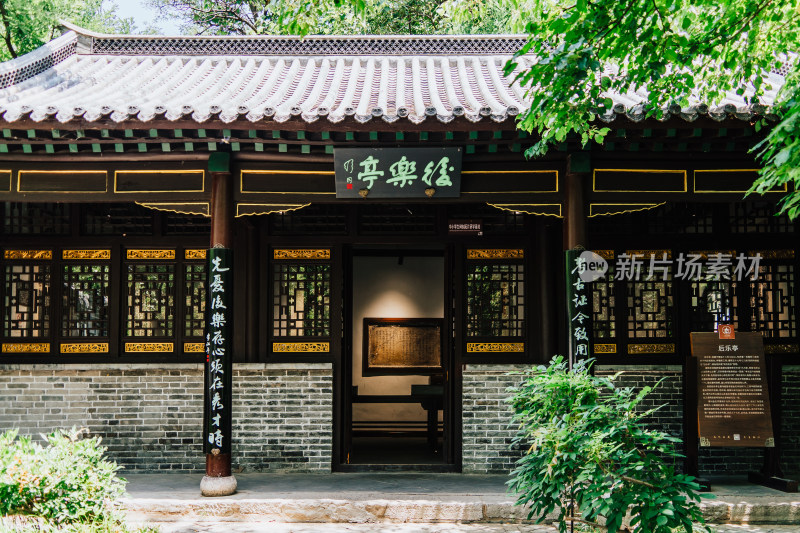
{"points": [[395, 502]]}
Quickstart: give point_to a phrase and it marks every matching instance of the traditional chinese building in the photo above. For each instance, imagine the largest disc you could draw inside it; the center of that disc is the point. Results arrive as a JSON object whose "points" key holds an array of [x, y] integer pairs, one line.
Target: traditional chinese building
{"points": [[392, 253]]}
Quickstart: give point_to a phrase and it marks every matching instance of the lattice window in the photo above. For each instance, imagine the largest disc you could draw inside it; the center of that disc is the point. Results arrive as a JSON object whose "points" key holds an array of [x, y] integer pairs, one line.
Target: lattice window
{"points": [[324, 219], [116, 219], [713, 303], [397, 219], [495, 300], [175, 224], [650, 306], [27, 301], [194, 296], [758, 218], [301, 300], [604, 318], [36, 219], [150, 300], [85, 297], [772, 300]]}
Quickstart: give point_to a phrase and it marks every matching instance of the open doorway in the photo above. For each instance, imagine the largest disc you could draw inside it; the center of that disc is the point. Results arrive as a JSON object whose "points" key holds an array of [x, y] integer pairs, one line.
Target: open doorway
{"points": [[397, 368]]}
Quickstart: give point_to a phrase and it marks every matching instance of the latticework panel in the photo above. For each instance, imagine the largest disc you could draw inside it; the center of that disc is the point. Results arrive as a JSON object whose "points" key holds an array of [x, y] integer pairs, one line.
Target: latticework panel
{"points": [[116, 219], [650, 307], [301, 300], [27, 301], [194, 298], [397, 219], [604, 317], [758, 218], [495, 300], [772, 299], [175, 224], [323, 219], [36, 219], [85, 298], [150, 302], [671, 218], [713, 302]]}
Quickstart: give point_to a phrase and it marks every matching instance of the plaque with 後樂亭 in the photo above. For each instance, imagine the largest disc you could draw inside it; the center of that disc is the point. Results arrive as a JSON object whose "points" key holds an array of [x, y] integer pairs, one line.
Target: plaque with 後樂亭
{"points": [[732, 396], [402, 346]]}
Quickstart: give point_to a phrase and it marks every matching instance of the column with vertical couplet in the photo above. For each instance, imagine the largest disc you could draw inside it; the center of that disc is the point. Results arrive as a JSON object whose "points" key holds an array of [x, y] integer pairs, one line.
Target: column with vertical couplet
{"points": [[217, 424]]}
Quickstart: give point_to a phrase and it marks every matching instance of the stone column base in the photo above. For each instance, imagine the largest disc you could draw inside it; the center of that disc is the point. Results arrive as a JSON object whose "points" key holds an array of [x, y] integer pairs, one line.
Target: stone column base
{"points": [[217, 486]]}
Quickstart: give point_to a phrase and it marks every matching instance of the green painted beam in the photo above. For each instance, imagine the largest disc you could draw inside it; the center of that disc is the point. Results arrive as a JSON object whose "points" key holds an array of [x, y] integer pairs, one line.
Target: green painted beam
{"points": [[104, 133], [328, 149], [4, 148], [423, 136], [283, 148], [235, 147], [154, 133], [621, 133], [682, 147], [259, 147], [49, 148], [497, 135], [305, 149], [79, 134], [219, 162], [671, 132], [722, 132], [177, 133], [608, 146], [473, 135], [373, 136], [212, 146], [226, 134], [399, 136], [706, 147], [119, 148], [658, 147], [252, 134], [31, 134], [492, 148], [189, 147], [165, 147], [516, 147], [647, 132], [27, 148], [301, 135], [349, 136], [730, 147], [142, 147], [448, 135], [73, 148], [56, 134], [128, 134], [326, 135], [7, 134], [96, 148], [697, 132], [201, 133], [470, 148], [634, 147], [276, 134]]}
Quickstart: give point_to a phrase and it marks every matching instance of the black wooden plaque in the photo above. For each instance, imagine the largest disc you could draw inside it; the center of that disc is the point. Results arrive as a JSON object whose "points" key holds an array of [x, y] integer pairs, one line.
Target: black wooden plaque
{"points": [[733, 401], [219, 366], [579, 307], [397, 172], [402, 346]]}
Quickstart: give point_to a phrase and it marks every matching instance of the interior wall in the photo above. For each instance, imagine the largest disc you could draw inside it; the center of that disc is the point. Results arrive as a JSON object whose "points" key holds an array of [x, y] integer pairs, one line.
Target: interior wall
{"points": [[384, 288]]}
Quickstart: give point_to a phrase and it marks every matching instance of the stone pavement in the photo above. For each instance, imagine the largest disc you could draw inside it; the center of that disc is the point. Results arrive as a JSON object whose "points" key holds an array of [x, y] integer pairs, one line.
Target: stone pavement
{"points": [[393, 501]]}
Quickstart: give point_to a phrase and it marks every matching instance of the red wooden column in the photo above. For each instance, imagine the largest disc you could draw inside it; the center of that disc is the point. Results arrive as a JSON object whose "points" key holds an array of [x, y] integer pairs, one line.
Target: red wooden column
{"points": [[577, 291], [217, 432]]}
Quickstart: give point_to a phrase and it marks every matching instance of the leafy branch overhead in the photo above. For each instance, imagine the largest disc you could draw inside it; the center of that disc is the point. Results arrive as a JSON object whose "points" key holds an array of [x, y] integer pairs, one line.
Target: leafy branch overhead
{"points": [[667, 52]]}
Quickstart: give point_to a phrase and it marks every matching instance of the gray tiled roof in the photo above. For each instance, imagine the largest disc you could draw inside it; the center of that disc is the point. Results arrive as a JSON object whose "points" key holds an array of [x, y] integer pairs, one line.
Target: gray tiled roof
{"points": [[90, 76]]}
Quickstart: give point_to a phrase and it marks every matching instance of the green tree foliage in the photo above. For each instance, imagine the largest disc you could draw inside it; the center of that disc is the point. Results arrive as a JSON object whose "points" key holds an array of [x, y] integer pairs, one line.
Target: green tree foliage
{"points": [[590, 459], [677, 51], [27, 24]]}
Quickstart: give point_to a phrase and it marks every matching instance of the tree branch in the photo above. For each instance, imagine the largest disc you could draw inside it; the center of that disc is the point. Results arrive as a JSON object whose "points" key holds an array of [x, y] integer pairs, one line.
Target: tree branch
{"points": [[7, 34]]}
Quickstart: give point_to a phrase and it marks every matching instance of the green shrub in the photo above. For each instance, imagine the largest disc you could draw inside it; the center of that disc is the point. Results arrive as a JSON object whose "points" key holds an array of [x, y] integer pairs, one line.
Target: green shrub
{"points": [[66, 482], [589, 450]]}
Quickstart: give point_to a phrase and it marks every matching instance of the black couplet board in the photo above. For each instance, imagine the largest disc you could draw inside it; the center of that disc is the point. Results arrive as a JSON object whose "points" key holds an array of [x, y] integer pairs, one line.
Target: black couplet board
{"points": [[219, 366], [732, 397], [397, 172], [579, 306]]}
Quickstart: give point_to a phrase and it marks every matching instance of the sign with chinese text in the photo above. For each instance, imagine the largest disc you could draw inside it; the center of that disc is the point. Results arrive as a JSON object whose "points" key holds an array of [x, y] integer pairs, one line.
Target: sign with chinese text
{"points": [[465, 227], [579, 304], [397, 172], [219, 300], [732, 397]]}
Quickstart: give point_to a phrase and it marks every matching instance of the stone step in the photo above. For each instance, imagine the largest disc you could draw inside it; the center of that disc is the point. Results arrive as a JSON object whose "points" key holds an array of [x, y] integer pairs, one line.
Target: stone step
{"points": [[454, 509]]}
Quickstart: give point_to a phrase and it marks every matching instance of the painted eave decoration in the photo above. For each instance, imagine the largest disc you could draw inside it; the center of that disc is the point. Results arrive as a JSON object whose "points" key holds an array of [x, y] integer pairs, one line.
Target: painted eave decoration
{"points": [[94, 77]]}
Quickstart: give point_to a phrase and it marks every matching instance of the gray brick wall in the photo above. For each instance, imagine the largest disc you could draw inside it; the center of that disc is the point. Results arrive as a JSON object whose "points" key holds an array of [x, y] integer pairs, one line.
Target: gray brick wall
{"points": [[486, 419], [150, 416], [790, 406]]}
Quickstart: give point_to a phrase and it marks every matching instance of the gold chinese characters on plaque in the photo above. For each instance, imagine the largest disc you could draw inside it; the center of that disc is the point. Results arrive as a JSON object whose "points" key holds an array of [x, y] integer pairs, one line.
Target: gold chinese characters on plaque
{"points": [[194, 254], [148, 347], [84, 347], [194, 347], [495, 347], [26, 347], [300, 347]]}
